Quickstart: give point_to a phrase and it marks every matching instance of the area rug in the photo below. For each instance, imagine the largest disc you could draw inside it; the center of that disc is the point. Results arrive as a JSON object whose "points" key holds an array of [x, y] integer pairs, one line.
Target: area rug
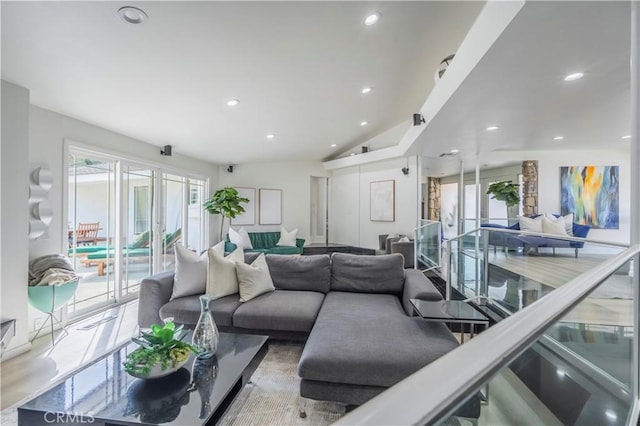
{"points": [[270, 398]]}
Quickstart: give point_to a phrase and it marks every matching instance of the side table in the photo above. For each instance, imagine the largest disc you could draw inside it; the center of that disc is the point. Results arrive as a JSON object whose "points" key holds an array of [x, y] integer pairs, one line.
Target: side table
{"points": [[450, 311]]}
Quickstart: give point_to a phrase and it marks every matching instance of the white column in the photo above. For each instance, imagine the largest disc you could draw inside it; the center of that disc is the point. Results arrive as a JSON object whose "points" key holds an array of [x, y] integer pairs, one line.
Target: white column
{"points": [[635, 121]]}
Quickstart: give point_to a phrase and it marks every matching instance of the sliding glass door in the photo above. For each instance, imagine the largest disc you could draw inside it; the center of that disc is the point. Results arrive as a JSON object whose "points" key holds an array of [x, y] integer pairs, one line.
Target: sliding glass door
{"points": [[139, 213]]}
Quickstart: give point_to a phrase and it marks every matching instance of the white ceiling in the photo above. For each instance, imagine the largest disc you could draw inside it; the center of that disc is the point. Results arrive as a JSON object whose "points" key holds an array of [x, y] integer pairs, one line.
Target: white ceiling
{"points": [[296, 67], [519, 85]]}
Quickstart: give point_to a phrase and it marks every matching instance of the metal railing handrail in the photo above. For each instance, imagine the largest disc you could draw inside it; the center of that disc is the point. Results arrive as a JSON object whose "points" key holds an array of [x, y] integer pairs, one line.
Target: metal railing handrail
{"points": [[434, 391], [539, 234]]}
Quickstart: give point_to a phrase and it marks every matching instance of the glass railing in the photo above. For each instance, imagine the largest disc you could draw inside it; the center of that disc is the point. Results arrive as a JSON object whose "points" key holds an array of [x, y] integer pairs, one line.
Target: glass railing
{"points": [[514, 268], [568, 358], [428, 244]]}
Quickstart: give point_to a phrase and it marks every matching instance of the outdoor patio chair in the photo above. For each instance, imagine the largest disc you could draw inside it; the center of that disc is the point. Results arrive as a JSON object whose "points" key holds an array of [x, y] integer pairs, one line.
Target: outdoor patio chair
{"points": [[85, 233]]}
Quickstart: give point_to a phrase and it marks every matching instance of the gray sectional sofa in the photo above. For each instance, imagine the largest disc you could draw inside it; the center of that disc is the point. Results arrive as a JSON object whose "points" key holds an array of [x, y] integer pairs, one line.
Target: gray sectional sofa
{"points": [[361, 333]]}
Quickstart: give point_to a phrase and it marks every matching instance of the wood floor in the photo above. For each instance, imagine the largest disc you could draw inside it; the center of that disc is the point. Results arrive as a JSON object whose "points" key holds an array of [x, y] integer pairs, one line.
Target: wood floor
{"points": [[43, 366], [555, 271]]}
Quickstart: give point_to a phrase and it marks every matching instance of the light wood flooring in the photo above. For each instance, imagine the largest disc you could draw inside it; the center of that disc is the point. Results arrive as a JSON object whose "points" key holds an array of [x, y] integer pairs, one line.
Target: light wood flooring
{"points": [[555, 271]]}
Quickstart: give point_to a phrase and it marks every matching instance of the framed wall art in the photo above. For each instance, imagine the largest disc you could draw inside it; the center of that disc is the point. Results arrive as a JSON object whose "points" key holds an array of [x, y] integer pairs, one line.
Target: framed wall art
{"points": [[249, 215], [270, 206], [383, 201], [592, 194]]}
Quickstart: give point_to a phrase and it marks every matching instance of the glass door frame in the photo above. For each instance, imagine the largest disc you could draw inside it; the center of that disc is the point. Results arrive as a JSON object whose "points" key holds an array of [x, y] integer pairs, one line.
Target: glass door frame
{"points": [[120, 160]]}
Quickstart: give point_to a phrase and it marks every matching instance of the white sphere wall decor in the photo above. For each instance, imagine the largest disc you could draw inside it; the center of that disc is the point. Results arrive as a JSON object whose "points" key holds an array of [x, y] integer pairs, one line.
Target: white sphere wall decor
{"points": [[40, 209]]}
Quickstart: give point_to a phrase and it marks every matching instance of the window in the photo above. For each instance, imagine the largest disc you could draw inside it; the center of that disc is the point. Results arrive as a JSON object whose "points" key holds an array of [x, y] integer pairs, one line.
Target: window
{"points": [[194, 196]]}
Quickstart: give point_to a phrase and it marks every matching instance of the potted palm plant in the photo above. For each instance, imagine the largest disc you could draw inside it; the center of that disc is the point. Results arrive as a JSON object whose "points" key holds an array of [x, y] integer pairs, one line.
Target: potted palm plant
{"points": [[226, 202]]}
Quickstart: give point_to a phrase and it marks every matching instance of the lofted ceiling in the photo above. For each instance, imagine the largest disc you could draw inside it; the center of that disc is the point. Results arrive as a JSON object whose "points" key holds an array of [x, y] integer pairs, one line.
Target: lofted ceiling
{"points": [[519, 86], [296, 67]]}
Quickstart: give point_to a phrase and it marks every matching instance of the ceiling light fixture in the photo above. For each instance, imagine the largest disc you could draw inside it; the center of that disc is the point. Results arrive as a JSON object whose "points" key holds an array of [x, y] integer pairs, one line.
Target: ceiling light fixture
{"points": [[132, 15], [333, 145], [372, 19], [352, 154], [558, 138], [491, 128], [233, 102], [574, 76], [455, 151], [626, 137], [271, 136], [364, 123], [366, 90]]}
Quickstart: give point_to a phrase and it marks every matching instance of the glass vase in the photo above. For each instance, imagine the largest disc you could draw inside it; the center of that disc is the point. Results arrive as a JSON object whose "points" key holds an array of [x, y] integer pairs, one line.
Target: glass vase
{"points": [[205, 335]]}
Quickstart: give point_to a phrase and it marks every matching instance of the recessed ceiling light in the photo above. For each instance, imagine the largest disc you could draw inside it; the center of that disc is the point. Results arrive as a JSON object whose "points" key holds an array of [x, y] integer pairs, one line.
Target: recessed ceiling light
{"points": [[233, 102], [132, 15], [271, 136], [626, 137], [372, 19], [490, 128], [455, 151], [574, 76], [364, 123], [352, 154], [333, 145], [558, 138], [366, 90]]}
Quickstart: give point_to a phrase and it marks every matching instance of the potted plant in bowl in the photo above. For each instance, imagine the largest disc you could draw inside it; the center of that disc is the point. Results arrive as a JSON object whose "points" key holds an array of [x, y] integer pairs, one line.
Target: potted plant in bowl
{"points": [[161, 352]]}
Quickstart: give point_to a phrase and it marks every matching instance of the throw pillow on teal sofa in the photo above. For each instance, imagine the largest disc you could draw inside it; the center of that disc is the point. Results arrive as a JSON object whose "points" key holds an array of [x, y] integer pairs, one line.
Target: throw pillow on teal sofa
{"points": [[265, 242]]}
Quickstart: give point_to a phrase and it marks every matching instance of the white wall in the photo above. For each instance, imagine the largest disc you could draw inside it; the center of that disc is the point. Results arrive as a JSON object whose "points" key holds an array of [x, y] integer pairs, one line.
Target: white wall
{"points": [[48, 133], [549, 163], [293, 178], [350, 223], [14, 183]]}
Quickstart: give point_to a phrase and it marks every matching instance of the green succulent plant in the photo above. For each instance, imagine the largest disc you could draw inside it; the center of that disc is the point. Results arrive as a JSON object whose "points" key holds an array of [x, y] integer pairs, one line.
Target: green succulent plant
{"points": [[227, 203], [161, 346]]}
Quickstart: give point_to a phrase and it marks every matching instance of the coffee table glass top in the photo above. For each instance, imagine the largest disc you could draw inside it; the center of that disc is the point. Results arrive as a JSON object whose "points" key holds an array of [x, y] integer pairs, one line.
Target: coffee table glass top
{"points": [[447, 311], [104, 392]]}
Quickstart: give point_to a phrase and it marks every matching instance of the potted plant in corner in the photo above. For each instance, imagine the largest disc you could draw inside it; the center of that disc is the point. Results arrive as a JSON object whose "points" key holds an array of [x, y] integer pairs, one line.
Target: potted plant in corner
{"points": [[227, 203], [506, 191]]}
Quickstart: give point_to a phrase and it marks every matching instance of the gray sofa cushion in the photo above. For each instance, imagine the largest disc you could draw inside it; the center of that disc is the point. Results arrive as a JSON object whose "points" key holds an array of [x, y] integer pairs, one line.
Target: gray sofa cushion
{"points": [[311, 273], [186, 310], [367, 339], [280, 310], [367, 274]]}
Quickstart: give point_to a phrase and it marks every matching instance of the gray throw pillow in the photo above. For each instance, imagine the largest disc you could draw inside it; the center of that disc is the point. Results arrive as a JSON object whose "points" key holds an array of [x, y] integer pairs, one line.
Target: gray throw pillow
{"points": [[191, 272]]}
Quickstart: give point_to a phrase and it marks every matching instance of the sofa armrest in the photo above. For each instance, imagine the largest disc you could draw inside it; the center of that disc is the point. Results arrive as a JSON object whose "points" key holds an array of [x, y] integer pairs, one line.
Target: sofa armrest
{"points": [[229, 247], [300, 243], [417, 286], [155, 291]]}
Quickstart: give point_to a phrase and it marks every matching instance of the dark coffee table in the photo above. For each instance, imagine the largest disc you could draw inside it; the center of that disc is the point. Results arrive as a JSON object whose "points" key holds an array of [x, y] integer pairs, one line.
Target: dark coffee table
{"points": [[104, 394]]}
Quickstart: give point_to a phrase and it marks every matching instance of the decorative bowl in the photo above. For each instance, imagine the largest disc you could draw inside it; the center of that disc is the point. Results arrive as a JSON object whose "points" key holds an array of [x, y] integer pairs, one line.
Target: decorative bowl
{"points": [[157, 371]]}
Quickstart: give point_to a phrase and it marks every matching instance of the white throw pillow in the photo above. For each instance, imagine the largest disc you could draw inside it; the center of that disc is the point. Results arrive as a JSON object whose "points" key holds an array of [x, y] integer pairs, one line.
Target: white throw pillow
{"points": [[240, 238], [566, 219], [191, 273], [404, 239], [287, 239], [530, 225], [221, 273], [555, 226], [254, 279]]}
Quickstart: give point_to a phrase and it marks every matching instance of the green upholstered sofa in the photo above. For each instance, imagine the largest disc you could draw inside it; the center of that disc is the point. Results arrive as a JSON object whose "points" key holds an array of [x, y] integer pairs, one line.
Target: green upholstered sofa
{"points": [[265, 242]]}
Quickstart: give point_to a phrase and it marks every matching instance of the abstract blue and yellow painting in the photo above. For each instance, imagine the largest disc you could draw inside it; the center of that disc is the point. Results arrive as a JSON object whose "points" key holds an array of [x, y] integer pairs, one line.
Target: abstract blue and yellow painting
{"points": [[591, 193]]}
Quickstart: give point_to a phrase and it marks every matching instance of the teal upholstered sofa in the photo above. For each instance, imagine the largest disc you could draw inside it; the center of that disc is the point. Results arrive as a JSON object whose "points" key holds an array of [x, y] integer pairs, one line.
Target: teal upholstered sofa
{"points": [[265, 242]]}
